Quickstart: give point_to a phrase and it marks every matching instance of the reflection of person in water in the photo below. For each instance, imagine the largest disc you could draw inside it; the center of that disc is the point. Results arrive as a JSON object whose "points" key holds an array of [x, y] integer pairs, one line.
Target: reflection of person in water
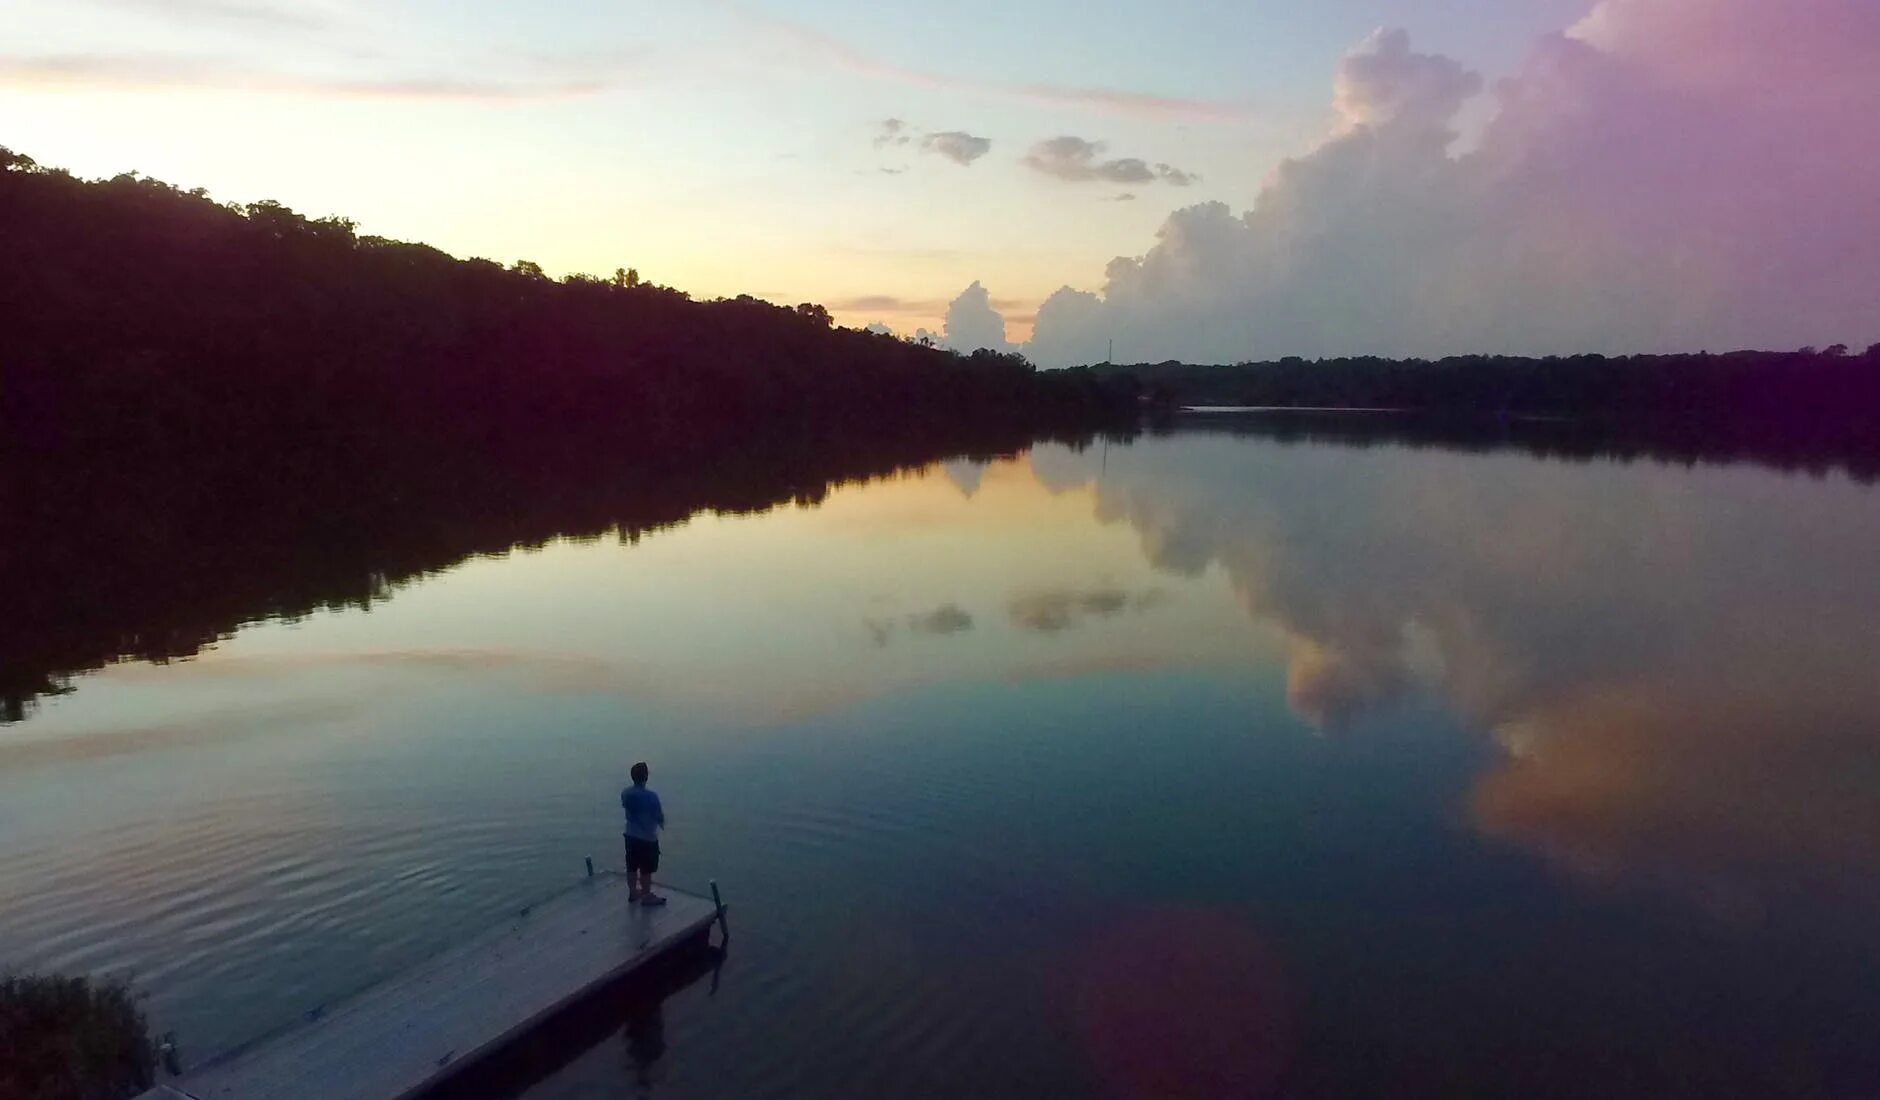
{"points": [[646, 1042]]}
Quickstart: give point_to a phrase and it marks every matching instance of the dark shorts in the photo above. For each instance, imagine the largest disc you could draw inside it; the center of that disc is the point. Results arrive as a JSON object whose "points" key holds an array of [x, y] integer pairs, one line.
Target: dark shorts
{"points": [[642, 855]]}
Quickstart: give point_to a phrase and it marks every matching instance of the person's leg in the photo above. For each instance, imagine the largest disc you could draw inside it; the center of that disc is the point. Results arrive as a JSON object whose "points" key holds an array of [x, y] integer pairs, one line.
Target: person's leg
{"points": [[633, 872], [647, 897]]}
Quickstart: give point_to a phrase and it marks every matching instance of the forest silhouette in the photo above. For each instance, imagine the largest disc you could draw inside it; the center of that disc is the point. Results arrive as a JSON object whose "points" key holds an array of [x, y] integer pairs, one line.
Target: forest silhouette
{"points": [[1800, 404], [152, 323]]}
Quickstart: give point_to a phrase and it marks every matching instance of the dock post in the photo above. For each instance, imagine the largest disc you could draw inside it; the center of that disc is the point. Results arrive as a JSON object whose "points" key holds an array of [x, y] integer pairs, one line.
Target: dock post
{"points": [[724, 930], [590, 863]]}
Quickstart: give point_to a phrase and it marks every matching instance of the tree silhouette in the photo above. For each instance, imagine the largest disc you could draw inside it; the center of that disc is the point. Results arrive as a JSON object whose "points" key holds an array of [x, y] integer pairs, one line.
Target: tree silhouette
{"points": [[1772, 400]]}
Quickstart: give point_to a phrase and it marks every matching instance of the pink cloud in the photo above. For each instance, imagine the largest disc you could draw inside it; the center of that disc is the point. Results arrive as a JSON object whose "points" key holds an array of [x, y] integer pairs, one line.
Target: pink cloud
{"points": [[146, 72], [831, 50], [1670, 175]]}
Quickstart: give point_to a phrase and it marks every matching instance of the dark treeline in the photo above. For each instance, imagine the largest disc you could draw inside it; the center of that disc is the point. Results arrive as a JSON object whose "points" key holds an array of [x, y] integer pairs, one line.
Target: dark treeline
{"points": [[1821, 400], [148, 322], [212, 414], [1683, 443]]}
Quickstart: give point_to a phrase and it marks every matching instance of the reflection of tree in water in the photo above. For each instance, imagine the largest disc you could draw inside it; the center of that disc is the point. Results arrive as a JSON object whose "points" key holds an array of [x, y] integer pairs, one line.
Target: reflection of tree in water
{"points": [[1771, 442], [1798, 408], [156, 567]]}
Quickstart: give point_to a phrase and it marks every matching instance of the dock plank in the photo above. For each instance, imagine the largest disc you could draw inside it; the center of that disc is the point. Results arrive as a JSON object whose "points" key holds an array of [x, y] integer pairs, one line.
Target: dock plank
{"points": [[402, 1036]]}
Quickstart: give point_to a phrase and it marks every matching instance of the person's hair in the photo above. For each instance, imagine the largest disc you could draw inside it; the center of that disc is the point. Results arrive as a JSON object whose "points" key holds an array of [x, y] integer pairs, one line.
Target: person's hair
{"points": [[639, 772]]}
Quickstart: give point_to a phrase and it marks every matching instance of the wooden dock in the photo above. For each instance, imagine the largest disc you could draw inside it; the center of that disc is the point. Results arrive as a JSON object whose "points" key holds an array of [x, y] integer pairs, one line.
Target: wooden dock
{"points": [[411, 1032]]}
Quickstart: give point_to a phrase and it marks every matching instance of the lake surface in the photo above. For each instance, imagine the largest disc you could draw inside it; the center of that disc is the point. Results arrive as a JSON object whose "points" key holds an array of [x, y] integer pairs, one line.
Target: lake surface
{"points": [[1202, 765]]}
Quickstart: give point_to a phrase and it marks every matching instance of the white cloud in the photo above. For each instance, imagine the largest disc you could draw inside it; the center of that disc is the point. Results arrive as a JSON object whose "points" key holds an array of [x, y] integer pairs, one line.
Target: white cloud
{"points": [[972, 323], [1384, 83], [1673, 174]]}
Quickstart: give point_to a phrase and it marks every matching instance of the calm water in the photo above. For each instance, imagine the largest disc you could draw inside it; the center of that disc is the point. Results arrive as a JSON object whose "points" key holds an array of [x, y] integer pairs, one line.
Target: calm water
{"points": [[1200, 766]]}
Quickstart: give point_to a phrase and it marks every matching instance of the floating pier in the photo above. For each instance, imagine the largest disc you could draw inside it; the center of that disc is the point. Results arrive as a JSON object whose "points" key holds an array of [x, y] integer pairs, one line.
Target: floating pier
{"points": [[415, 1030]]}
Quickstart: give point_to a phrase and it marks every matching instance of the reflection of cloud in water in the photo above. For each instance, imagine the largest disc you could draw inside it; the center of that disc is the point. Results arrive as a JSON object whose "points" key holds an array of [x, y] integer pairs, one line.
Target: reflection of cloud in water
{"points": [[1060, 468], [248, 666], [1101, 665], [1694, 786], [209, 729], [1059, 609], [1688, 656], [945, 619], [966, 474], [1330, 689], [543, 672]]}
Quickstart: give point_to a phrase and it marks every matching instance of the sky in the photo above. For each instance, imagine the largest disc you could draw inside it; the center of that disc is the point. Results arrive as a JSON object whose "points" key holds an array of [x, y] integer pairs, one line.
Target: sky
{"points": [[1199, 180]]}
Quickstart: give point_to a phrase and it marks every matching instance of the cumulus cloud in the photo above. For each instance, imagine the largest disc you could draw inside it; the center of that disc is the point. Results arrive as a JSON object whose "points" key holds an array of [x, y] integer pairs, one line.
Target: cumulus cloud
{"points": [[1670, 175], [972, 323], [1385, 83], [957, 146], [1075, 160]]}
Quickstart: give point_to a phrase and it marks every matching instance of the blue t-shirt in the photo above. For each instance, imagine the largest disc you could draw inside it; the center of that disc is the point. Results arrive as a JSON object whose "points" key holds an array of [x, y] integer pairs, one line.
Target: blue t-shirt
{"points": [[644, 815]]}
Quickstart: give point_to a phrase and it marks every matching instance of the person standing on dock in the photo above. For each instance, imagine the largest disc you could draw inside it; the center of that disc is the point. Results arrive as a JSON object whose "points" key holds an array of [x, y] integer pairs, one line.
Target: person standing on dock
{"points": [[645, 817]]}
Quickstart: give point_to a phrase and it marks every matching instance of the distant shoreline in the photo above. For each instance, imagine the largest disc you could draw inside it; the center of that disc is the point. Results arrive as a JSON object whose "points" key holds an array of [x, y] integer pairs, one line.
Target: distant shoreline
{"points": [[1219, 410]]}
